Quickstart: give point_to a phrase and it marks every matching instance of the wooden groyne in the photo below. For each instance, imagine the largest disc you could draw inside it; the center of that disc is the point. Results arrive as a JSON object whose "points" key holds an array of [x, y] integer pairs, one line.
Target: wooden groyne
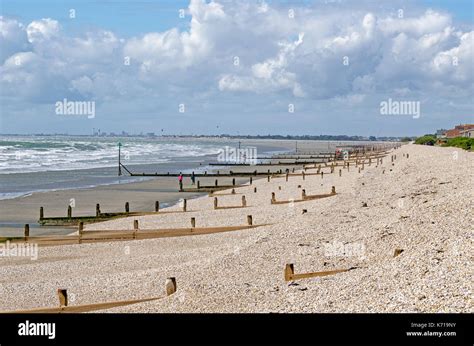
{"points": [[99, 216]]}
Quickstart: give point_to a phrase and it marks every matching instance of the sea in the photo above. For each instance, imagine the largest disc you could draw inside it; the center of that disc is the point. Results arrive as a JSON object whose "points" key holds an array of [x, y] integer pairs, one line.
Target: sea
{"points": [[43, 163]]}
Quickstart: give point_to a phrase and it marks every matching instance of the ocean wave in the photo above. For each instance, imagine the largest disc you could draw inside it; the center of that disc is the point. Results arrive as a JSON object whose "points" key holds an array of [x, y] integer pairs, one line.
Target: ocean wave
{"points": [[40, 154]]}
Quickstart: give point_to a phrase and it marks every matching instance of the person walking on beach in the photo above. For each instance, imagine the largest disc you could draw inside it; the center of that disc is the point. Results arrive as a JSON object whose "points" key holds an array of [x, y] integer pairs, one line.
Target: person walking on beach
{"points": [[193, 178], [180, 180]]}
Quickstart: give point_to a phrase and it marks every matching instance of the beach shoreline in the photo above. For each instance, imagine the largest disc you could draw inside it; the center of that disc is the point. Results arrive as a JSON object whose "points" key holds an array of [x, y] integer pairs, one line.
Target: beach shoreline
{"points": [[408, 205]]}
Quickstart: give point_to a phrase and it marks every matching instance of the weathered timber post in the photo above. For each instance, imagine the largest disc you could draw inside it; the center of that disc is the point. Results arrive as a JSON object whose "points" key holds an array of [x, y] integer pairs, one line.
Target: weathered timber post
{"points": [[62, 295], [303, 175], [303, 194], [69, 211], [322, 174], [157, 206], [184, 204], [289, 272], [233, 181], [215, 202], [397, 252], [255, 190], [244, 201], [249, 220], [193, 222], [268, 178], [216, 182], [127, 207], [286, 176], [333, 190], [251, 181], [273, 198], [41, 213], [340, 172], [27, 231], [80, 231], [170, 286]]}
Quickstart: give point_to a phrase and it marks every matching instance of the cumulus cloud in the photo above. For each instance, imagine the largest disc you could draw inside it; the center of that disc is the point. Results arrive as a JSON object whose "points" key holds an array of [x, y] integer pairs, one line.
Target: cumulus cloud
{"points": [[315, 54]]}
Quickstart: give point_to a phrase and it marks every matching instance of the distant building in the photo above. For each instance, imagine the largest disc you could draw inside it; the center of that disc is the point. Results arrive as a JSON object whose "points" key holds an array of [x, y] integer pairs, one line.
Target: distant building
{"points": [[459, 130], [441, 133], [452, 133], [464, 127], [467, 133]]}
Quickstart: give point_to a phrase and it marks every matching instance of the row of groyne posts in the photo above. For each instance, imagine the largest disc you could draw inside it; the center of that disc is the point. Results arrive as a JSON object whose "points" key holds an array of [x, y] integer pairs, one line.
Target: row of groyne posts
{"points": [[358, 157]]}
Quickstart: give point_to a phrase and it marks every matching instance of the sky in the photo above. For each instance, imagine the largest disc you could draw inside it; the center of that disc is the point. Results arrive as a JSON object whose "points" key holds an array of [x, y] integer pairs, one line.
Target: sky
{"points": [[239, 67]]}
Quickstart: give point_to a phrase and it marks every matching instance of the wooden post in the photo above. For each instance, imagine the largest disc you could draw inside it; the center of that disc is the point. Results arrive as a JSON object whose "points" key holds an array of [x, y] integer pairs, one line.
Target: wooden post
{"points": [[249, 220], [41, 213], [289, 272], [170, 286], [215, 202], [286, 176], [184, 204], [233, 181], [255, 190], [80, 231], [370, 161], [268, 178], [216, 183], [333, 190], [340, 172], [135, 229], [157, 206], [127, 207], [27, 231], [193, 222], [198, 184], [303, 176], [69, 211], [250, 180], [273, 198], [62, 295], [397, 252], [303, 194], [97, 210], [322, 174], [244, 201]]}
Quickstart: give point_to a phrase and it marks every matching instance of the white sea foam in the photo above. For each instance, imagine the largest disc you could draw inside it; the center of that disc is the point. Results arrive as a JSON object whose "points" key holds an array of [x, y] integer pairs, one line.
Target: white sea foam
{"points": [[31, 154]]}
